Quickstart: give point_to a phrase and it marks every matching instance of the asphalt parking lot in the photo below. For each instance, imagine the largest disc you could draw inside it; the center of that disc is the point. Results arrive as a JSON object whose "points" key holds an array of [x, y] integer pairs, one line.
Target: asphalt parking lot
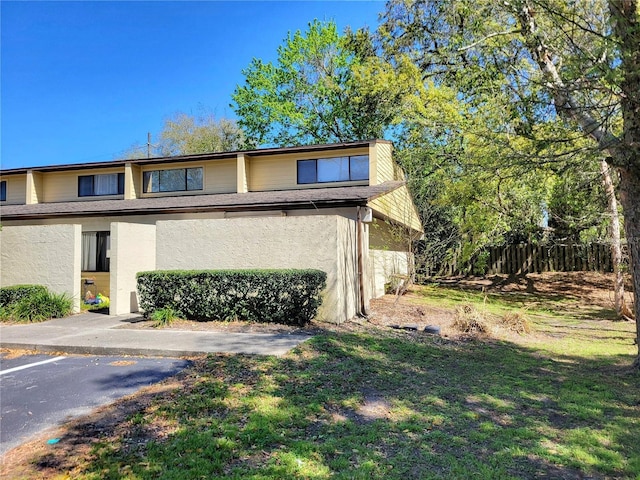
{"points": [[42, 391]]}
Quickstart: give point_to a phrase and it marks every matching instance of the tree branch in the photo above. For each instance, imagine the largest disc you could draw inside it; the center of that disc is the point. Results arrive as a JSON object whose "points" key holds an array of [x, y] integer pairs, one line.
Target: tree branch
{"points": [[564, 102], [484, 39]]}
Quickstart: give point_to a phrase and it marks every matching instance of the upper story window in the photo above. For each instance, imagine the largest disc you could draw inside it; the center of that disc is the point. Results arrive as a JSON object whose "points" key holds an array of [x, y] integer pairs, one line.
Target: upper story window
{"points": [[338, 169], [103, 184], [3, 190], [173, 180]]}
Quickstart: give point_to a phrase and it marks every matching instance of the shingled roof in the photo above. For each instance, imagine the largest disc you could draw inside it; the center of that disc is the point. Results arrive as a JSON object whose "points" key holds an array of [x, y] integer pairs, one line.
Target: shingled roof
{"points": [[281, 199]]}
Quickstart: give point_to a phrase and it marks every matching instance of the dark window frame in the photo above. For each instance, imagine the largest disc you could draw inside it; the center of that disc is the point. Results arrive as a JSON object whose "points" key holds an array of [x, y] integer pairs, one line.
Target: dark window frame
{"points": [[315, 178], [159, 189], [3, 191], [92, 188]]}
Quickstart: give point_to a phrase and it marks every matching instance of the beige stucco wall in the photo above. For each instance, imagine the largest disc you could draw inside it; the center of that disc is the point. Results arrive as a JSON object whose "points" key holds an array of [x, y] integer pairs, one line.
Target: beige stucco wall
{"points": [[266, 242], [347, 267], [133, 250], [49, 255], [384, 264], [389, 255]]}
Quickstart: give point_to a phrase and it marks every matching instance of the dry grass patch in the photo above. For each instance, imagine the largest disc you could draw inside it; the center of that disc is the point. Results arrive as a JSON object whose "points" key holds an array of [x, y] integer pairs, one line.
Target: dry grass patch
{"points": [[516, 322], [469, 319]]}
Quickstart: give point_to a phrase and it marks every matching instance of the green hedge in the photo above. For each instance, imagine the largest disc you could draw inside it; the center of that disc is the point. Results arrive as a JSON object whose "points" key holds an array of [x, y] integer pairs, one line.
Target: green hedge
{"points": [[15, 293], [279, 296]]}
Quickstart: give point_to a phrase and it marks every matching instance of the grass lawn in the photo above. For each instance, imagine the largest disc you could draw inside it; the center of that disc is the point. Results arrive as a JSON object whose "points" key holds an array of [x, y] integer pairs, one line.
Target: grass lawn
{"points": [[371, 402]]}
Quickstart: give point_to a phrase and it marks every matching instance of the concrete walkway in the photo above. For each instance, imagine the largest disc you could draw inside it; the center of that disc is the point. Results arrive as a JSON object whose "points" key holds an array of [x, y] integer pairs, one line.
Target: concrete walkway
{"points": [[98, 334]]}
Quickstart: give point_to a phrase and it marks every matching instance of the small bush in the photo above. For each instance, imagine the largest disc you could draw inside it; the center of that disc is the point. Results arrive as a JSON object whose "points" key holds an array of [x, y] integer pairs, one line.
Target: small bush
{"points": [[279, 296], [516, 322], [163, 317], [470, 320], [37, 306], [15, 293]]}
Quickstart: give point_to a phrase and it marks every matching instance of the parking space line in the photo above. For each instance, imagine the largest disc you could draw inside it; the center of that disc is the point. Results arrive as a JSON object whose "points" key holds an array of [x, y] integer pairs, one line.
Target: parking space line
{"points": [[29, 365]]}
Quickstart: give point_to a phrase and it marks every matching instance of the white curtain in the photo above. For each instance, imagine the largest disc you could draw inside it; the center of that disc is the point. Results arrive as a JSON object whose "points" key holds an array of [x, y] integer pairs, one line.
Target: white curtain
{"points": [[89, 252], [106, 184]]}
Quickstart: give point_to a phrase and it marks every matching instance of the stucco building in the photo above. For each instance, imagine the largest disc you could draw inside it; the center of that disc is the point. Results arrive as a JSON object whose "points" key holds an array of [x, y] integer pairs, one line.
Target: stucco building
{"points": [[329, 207]]}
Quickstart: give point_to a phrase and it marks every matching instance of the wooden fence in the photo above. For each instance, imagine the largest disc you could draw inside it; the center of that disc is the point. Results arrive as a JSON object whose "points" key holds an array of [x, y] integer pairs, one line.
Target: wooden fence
{"points": [[526, 258]]}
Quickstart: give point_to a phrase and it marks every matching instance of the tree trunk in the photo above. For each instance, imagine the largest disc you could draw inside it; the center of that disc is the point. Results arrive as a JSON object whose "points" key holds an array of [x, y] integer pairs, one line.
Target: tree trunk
{"points": [[626, 21], [630, 199], [616, 248]]}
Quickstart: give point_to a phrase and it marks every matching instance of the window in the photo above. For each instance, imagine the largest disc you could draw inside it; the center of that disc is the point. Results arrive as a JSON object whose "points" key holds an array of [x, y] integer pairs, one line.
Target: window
{"points": [[95, 246], [105, 184], [174, 180], [3, 191], [338, 169]]}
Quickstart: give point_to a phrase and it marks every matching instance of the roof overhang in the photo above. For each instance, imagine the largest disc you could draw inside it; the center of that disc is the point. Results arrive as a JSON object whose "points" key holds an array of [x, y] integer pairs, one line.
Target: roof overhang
{"points": [[318, 198]]}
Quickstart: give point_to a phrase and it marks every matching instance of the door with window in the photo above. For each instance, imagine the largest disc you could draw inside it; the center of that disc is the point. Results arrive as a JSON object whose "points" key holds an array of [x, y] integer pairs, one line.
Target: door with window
{"points": [[95, 264]]}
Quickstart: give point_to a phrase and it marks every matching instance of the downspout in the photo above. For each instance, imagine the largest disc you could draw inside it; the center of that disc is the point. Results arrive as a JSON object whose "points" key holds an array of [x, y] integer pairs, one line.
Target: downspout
{"points": [[359, 248]]}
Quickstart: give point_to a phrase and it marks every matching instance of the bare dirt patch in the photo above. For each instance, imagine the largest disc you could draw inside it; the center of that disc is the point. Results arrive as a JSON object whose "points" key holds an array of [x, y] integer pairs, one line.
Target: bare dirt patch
{"points": [[589, 287]]}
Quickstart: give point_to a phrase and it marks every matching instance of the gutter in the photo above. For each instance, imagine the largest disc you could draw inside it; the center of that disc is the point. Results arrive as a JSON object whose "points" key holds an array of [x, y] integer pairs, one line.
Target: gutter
{"points": [[189, 209]]}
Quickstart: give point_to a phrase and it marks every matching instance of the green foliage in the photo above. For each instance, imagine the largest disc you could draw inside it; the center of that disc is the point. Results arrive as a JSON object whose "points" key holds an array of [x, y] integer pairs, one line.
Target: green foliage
{"points": [[576, 205], [487, 149], [37, 306], [164, 316], [184, 134], [13, 294], [324, 87], [280, 296]]}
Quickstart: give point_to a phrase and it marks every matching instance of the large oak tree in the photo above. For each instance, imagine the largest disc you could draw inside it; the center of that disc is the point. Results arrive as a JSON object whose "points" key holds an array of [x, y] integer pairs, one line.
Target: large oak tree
{"points": [[575, 61]]}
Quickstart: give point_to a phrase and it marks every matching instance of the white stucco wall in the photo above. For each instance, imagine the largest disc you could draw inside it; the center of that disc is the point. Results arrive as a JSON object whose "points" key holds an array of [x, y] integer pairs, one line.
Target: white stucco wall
{"points": [[384, 264], [48, 255], [133, 249], [265, 242]]}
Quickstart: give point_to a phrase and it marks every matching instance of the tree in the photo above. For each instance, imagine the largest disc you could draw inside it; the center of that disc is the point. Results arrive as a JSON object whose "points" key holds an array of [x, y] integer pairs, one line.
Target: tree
{"points": [[184, 134], [577, 62], [324, 87]]}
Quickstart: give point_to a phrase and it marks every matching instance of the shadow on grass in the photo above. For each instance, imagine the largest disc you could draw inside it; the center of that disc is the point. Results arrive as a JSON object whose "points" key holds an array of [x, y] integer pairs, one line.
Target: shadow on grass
{"points": [[572, 304], [447, 410]]}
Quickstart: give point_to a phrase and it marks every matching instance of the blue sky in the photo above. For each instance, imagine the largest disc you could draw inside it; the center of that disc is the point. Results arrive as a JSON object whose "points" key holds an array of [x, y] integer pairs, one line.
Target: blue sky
{"points": [[84, 81]]}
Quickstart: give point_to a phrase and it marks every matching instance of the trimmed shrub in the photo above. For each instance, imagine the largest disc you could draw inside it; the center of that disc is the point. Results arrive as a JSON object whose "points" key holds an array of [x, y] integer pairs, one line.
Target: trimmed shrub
{"points": [[278, 296], [15, 293]]}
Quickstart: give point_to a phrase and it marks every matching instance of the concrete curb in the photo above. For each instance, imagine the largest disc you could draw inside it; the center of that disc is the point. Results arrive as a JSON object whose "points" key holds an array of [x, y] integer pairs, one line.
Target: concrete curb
{"points": [[76, 335]]}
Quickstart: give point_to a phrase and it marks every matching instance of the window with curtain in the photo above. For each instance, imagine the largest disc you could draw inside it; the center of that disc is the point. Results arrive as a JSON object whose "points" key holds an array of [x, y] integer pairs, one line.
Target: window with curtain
{"points": [[172, 180], [95, 246], [103, 184]]}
